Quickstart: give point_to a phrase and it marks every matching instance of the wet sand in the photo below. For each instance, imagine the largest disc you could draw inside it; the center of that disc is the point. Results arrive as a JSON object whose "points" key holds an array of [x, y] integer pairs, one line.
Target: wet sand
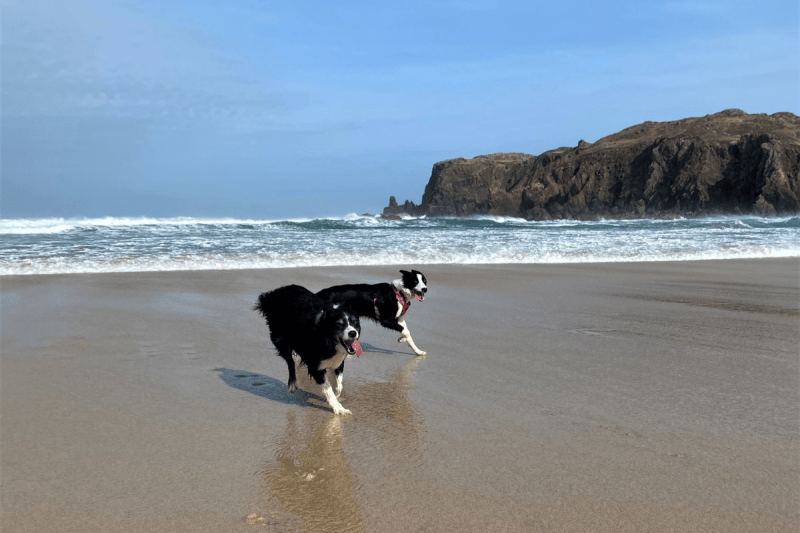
{"points": [[595, 397]]}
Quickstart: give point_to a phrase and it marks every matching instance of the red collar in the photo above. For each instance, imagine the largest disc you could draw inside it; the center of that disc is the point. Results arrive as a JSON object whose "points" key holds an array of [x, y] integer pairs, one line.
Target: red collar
{"points": [[402, 300]]}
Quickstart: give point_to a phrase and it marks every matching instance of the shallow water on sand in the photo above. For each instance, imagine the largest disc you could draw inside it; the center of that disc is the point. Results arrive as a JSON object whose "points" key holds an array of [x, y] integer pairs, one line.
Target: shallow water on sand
{"points": [[618, 397], [346, 461]]}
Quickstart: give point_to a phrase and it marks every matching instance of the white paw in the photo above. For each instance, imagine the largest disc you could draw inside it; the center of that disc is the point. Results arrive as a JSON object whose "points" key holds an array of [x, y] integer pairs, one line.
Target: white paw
{"points": [[292, 387], [341, 411], [402, 339], [420, 353]]}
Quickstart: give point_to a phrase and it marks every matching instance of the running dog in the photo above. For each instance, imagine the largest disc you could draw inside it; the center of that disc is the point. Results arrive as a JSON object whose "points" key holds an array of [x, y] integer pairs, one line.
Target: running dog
{"points": [[385, 303], [312, 335]]}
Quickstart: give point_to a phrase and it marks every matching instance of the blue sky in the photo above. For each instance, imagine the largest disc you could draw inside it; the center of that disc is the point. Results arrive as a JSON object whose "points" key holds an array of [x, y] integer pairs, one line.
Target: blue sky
{"points": [[302, 109]]}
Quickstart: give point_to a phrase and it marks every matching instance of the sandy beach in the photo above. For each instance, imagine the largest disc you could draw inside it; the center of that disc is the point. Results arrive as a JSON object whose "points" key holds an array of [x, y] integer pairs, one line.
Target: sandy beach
{"points": [[593, 397]]}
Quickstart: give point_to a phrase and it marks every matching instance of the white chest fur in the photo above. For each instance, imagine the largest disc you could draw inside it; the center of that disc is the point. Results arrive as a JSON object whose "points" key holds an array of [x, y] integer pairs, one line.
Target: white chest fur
{"points": [[336, 360]]}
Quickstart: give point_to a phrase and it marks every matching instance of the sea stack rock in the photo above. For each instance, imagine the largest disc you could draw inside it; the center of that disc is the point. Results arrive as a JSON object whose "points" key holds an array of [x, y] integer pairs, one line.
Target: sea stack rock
{"points": [[727, 163]]}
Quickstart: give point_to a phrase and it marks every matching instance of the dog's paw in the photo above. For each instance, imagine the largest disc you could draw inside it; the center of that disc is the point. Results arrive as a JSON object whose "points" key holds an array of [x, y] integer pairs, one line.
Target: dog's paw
{"points": [[420, 353], [402, 339], [341, 411], [292, 387]]}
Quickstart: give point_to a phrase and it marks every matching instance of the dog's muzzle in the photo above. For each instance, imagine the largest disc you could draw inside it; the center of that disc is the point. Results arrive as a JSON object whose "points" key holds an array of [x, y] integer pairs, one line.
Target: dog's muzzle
{"points": [[350, 342]]}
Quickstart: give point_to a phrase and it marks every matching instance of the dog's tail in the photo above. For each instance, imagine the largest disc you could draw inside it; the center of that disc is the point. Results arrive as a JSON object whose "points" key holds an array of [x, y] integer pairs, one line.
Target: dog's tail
{"points": [[262, 305]]}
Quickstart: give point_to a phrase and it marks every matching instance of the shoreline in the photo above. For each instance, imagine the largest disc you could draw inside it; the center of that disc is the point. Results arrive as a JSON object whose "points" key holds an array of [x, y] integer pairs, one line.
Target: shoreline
{"points": [[419, 265], [623, 396], [86, 248]]}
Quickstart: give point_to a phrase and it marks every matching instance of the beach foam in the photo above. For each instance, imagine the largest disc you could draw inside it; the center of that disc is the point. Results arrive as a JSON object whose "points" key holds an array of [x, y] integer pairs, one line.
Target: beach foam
{"points": [[50, 246]]}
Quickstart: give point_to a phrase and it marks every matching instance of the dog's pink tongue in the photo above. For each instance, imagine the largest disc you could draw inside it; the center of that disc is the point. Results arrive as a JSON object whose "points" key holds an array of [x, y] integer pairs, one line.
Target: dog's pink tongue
{"points": [[418, 297], [357, 348]]}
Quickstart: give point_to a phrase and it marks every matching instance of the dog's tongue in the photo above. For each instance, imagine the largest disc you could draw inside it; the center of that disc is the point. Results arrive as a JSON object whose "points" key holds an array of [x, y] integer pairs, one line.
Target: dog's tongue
{"points": [[357, 348], [418, 297]]}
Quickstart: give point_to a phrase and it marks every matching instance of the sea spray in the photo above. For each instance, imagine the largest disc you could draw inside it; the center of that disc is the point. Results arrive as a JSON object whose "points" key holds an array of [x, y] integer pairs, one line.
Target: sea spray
{"points": [[51, 246]]}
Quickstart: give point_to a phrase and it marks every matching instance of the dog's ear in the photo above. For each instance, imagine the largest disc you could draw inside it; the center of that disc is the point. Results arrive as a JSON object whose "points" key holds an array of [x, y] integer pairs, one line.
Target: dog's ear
{"points": [[404, 272]]}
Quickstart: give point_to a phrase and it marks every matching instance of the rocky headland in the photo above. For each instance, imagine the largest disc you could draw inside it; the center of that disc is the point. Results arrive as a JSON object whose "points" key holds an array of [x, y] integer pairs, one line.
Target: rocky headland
{"points": [[727, 163]]}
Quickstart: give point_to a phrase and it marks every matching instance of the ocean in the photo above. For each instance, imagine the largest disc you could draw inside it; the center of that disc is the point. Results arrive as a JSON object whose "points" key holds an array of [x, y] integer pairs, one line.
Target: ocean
{"points": [[73, 246]]}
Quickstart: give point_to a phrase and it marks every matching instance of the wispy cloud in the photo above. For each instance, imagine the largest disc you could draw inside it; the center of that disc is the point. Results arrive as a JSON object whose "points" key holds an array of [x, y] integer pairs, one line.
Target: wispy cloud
{"points": [[74, 59]]}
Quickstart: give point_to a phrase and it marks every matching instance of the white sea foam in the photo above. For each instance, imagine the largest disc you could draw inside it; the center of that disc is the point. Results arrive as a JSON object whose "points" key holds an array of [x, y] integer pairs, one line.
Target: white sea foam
{"points": [[43, 226], [50, 246], [211, 262], [60, 225]]}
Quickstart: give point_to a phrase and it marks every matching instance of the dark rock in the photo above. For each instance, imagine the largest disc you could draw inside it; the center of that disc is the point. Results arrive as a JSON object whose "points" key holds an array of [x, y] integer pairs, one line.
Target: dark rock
{"points": [[763, 207], [408, 208], [392, 208], [730, 162]]}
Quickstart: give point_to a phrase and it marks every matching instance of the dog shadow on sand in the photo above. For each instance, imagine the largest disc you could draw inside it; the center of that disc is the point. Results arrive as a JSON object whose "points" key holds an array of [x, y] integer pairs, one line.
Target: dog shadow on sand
{"points": [[368, 348], [267, 387], [275, 389]]}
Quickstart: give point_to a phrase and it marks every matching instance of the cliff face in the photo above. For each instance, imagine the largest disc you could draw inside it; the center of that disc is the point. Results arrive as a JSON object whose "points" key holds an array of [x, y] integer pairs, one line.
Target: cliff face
{"points": [[730, 162]]}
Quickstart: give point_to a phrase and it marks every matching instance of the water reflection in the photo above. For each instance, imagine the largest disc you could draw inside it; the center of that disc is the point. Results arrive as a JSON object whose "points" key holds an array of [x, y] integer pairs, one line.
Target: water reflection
{"points": [[310, 476], [327, 469]]}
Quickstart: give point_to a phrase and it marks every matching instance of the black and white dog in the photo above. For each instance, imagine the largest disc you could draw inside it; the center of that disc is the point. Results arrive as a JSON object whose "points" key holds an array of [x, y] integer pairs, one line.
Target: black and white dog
{"points": [[312, 335], [385, 303]]}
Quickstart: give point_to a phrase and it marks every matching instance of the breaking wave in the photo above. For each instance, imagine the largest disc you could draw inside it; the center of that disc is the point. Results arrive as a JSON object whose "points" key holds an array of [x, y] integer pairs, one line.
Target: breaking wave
{"points": [[57, 246]]}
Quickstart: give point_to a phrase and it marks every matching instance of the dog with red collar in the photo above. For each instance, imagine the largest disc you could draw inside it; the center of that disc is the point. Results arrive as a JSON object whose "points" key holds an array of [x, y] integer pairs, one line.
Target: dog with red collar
{"points": [[384, 303]]}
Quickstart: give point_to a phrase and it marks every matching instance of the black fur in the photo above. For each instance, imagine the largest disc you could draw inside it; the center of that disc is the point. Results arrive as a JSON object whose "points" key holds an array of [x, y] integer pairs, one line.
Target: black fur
{"points": [[364, 299], [313, 328]]}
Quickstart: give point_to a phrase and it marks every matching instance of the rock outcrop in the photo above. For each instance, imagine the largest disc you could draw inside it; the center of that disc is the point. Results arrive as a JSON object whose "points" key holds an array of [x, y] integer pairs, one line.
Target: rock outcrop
{"points": [[729, 162]]}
